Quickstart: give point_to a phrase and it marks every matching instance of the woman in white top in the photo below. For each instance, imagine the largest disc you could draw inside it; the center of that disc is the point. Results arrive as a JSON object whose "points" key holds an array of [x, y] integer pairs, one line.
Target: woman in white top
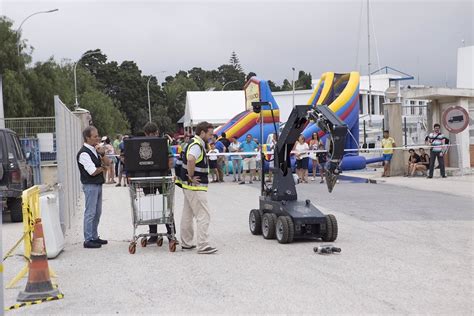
{"points": [[302, 159], [314, 145]]}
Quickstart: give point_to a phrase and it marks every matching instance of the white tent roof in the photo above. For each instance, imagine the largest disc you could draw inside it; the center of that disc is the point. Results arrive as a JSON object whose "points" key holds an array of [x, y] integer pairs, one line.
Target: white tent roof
{"points": [[215, 107]]}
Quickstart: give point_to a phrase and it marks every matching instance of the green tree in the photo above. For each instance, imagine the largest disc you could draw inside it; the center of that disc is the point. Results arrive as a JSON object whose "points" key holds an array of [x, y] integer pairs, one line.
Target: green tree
{"points": [[286, 85], [105, 116], [273, 86], [304, 81], [235, 62]]}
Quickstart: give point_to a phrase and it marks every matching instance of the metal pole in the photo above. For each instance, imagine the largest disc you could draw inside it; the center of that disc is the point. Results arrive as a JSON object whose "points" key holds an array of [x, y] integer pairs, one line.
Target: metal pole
{"points": [[368, 52], [365, 136], [21, 24], [293, 83], [149, 104], [76, 103], [228, 83], [405, 123], [148, 92]]}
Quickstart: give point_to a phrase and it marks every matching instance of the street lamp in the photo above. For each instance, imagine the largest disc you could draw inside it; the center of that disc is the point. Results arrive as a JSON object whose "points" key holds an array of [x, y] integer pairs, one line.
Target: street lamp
{"points": [[76, 104], [229, 83], [293, 83], [148, 91], [21, 24]]}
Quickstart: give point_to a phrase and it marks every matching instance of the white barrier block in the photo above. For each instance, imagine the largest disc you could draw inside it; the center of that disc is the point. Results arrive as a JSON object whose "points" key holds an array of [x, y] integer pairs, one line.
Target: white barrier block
{"points": [[53, 234]]}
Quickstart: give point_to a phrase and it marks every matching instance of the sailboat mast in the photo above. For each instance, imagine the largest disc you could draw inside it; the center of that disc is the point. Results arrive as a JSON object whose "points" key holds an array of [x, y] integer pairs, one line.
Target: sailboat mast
{"points": [[368, 52]]}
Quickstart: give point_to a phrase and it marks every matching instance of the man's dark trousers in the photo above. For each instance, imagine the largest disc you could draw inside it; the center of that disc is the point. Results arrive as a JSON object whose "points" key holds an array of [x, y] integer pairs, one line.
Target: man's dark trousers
{"points": [[433, 156]]}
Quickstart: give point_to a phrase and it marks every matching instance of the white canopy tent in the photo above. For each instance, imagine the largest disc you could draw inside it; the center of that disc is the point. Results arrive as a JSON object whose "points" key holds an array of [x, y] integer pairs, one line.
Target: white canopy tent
{"points": [[215, 107]]}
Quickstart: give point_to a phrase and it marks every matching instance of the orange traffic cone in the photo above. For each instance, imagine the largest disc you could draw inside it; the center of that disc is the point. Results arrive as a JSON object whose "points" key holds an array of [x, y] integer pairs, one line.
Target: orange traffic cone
{"points": [[39, 284]]}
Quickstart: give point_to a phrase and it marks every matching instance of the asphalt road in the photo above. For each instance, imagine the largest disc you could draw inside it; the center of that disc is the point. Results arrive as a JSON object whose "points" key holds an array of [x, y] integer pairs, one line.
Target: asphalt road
{"points": [[403, 251]]}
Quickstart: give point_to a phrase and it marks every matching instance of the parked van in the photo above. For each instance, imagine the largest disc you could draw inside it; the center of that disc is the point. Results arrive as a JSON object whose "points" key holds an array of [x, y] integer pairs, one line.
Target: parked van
{"points": [[15, 174]]}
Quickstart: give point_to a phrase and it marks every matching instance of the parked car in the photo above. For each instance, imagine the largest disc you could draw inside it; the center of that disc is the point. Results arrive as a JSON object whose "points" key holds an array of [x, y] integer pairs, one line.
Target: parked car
{"points": [[15, 174]]}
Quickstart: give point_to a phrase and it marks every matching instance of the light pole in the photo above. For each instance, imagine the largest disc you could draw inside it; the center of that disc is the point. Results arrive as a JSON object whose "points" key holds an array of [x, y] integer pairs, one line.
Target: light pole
{"points": [[293, 83], [228, 83], [21, 24], [148, 91], [76, 103]]}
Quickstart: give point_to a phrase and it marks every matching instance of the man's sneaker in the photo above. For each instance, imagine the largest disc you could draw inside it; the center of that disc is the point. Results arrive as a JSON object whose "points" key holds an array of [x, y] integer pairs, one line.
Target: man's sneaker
{"points": [[188, 247], [207, 250], [100, 241], [242, 182], [91, 244], [251, 182]]}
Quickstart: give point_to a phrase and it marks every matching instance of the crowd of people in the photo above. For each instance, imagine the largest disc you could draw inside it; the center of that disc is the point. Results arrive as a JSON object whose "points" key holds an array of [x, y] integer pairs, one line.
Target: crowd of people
{"points": [[102, 161]]}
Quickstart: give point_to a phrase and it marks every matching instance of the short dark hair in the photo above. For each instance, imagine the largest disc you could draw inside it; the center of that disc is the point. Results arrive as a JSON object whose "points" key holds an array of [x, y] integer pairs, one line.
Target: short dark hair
{"points": [[150, 128], [215, 136], [436, 125], [87, 132], [203, 126], [421, 148], [411, 150], [223, 135], [386, 131]]}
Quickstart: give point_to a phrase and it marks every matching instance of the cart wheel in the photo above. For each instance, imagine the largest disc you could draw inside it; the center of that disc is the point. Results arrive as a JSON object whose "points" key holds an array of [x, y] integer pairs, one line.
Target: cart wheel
{"points": [[291, 229], [143, 241], [331, 228], [159, 242], [172, 245], [132, 248], [268, 226], [255, 222]]}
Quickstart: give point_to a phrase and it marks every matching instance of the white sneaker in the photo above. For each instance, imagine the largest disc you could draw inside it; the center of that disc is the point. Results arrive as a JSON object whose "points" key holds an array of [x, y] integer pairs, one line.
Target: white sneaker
{"points": [[312, 179], [207, 250]]}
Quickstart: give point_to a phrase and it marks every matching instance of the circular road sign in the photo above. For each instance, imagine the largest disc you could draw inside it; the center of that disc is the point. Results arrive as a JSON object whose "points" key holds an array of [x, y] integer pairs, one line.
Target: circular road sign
{"points": [[455, 119]]}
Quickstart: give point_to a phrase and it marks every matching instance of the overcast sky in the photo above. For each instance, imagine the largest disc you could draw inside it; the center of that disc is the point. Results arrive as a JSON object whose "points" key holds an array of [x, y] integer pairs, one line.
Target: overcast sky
{"points": [[269, 37]]}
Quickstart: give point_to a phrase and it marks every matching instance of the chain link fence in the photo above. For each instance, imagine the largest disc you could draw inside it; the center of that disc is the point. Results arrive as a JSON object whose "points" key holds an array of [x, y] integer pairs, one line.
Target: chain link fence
{"points": [[68, 142]]}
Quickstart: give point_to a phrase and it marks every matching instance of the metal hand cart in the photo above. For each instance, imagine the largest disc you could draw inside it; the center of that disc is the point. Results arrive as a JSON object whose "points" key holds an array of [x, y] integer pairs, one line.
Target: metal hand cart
{"points": [[152, 200]]}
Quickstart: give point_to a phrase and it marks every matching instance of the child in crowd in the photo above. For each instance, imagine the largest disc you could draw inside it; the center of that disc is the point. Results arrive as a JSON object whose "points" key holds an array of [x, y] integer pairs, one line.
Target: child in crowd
{"points": [[213, 161]]}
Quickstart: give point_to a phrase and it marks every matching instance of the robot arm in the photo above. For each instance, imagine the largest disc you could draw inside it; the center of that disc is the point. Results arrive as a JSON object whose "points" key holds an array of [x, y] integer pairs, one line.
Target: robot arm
{"points": [[336, 129], [328, 122]]}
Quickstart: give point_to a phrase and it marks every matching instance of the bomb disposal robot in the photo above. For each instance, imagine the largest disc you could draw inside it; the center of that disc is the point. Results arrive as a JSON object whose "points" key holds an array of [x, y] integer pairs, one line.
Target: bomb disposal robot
{"points": [[281, 215]]}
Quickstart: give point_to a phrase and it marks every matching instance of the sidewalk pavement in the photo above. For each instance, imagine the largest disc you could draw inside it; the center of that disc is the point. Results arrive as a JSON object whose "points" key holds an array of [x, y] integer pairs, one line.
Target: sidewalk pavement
{"points": [[455, 185], [404, 250]]}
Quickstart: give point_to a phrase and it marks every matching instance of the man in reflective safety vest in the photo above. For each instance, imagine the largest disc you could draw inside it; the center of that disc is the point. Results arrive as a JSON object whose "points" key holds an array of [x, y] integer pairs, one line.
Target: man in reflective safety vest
{"points": [[194, 181]]}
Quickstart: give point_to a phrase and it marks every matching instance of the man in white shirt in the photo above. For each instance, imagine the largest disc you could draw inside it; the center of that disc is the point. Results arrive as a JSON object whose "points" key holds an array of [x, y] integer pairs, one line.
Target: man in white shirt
{"points": [[92, 163]]}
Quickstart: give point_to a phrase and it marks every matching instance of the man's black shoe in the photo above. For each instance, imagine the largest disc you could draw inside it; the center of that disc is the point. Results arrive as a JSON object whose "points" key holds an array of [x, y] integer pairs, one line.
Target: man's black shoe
{"points": [[444, 176], [152, 240], [430, 177], [91, 244], [100, 241]]}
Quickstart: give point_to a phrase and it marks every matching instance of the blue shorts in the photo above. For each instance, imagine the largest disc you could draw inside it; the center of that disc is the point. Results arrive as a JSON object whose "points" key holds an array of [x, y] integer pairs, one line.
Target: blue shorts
{"points": [[387, 157]]}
